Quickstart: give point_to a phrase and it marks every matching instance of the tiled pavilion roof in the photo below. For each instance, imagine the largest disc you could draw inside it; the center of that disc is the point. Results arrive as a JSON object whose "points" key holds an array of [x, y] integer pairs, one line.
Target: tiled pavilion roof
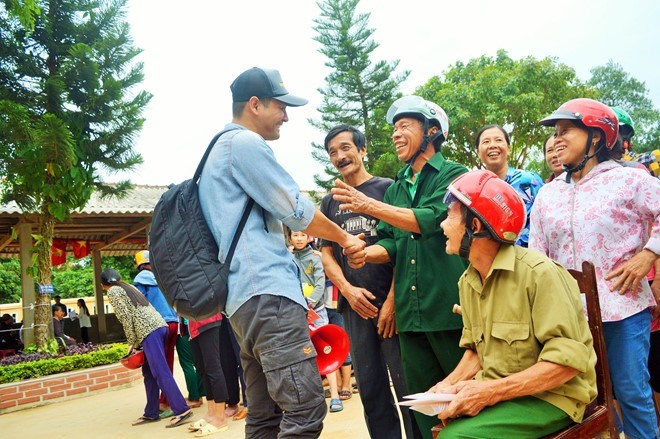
{"points": [[114, 226]]}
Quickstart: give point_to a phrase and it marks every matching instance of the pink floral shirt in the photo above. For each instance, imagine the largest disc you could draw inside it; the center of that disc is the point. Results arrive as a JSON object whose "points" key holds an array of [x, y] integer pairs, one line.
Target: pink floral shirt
{"points": [[604, 218]]}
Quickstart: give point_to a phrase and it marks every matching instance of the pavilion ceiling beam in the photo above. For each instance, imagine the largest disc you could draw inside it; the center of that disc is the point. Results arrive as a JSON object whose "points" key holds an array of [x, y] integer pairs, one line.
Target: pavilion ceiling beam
{"points": [[122, 235], [5, 241]]}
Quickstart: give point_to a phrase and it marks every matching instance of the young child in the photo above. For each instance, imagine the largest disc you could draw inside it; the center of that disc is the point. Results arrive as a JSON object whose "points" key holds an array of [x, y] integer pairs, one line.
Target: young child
{"points": [[311, 273], [313, 286]]}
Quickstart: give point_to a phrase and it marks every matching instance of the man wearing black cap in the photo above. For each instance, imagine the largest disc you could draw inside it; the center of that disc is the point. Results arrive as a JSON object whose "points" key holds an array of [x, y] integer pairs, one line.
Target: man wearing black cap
{"points": [[266, 306]]}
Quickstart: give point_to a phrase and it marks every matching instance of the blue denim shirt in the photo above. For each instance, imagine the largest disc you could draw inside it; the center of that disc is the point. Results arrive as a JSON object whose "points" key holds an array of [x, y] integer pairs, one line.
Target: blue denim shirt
{"points": [[242, 165]]}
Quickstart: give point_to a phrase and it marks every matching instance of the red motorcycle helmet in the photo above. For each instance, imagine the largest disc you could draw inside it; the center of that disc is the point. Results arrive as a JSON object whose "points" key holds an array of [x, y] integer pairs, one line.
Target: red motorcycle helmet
{"points": [[134, 360], [591, 113], [492, 200]]}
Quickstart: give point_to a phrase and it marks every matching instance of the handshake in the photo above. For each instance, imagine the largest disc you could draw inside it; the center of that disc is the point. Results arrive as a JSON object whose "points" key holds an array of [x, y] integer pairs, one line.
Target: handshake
{"points": [[355, 250]]}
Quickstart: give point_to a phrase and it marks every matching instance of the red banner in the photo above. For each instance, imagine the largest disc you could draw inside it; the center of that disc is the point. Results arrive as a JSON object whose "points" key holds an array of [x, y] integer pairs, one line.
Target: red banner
{"points": [[58, 255], [80, 248]]}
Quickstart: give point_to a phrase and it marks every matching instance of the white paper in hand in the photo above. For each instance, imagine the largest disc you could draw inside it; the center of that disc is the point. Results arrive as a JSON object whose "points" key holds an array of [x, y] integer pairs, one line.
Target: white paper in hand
{"points": [[429, 404]]}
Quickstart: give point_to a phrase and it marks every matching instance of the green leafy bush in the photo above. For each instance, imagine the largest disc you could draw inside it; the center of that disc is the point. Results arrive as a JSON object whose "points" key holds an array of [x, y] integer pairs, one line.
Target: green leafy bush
{"points": [[106, 354]]}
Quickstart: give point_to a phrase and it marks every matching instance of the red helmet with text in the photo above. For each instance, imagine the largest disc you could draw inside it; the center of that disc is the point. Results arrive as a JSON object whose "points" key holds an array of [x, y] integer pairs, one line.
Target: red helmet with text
{"points": [[492, 200], [591, 113]]}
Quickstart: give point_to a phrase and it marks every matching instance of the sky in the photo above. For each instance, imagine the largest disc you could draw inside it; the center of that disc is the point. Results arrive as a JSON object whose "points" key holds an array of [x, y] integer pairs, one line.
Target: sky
{"points": [[193, 51]]}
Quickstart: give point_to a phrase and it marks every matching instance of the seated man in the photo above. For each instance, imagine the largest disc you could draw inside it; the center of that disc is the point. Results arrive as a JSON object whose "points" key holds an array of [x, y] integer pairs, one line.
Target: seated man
{"points": [[9, 334], [528, 369], [58, 328]]}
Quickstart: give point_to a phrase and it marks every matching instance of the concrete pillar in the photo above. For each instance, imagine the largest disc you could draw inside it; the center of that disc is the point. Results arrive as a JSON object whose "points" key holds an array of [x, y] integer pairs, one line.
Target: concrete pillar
{"points": [[98, 293]]}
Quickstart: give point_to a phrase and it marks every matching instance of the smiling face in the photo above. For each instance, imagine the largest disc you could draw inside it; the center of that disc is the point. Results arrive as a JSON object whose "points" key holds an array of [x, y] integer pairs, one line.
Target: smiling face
{"points": [[551, 157], [299, 240], [493, 150], [271, 117], [454, 228], [407, 137], [344, 155], [570, 142]]}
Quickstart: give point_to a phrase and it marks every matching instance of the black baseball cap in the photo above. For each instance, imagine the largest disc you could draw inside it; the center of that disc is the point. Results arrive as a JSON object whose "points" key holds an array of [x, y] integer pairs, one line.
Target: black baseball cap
{"points": [[263, 83]]}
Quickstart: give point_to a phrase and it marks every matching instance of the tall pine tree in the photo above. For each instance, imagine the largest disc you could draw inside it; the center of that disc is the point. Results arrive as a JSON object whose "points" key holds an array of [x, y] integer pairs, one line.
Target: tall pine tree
{"points": [[68, 107], [357, 92]]}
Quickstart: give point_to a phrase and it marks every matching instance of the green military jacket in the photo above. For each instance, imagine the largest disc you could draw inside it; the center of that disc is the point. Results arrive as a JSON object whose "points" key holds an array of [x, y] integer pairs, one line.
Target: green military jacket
{"points": [[425, 277]]}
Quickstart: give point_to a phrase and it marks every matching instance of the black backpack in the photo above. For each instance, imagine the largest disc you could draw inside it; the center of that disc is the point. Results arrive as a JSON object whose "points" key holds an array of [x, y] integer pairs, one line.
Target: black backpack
{"points": [[183, 251]]}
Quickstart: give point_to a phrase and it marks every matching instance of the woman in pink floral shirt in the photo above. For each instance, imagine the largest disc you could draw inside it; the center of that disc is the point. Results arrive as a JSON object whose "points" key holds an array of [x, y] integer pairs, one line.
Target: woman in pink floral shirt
{"points": [[601, 212]]}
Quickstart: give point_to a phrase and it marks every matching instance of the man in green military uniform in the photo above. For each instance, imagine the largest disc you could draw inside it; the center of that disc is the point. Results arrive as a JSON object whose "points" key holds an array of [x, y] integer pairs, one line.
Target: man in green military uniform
{"points": [[425, 277]]}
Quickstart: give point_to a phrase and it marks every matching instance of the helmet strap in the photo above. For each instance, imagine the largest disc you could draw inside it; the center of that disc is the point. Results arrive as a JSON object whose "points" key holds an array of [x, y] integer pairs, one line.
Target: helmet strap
{"points": [[580, 166], [468, 237], [466, 243], [425, 142]]}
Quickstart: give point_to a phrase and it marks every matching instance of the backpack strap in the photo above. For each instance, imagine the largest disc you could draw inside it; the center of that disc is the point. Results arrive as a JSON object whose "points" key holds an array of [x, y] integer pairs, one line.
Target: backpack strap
{"points": [[248, 207], [200, 167], [239, 230]]}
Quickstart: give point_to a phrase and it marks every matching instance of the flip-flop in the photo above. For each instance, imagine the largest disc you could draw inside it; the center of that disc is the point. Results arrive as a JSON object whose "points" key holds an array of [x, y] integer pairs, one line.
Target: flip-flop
{"points": [[197, 425], [210, 429], [345, 394], [166, 414], [144, 420], [241, 415], [179, 419], [336, 405]]}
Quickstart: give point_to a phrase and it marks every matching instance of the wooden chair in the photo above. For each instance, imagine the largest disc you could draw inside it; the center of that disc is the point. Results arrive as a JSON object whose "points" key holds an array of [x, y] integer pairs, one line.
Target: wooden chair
{"points": [[599, 415]]}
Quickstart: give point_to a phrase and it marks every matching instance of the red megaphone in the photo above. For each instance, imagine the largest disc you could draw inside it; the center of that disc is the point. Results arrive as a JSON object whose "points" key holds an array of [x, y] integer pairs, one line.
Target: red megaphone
{"points": [[332, 345]]}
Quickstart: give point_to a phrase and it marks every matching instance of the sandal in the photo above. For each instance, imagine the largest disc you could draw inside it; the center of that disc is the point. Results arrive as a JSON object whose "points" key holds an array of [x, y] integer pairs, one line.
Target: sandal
{"points": [[241, 414], [231, 410], [210, 429], [179, 419], [166, 414], [144, 420], [345, 394], [336, 405], [197, 425]]}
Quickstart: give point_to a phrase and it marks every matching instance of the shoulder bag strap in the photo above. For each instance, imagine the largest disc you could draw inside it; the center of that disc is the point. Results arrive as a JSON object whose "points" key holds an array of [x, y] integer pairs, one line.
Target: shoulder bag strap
{"points": [[239, 230]]}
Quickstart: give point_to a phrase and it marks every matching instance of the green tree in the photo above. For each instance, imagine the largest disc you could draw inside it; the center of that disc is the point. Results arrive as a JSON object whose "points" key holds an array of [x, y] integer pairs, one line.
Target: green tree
{"points": [[357, 91], [75, 278], [68, 106], [500, 90], [618, 88], [10, 280]]}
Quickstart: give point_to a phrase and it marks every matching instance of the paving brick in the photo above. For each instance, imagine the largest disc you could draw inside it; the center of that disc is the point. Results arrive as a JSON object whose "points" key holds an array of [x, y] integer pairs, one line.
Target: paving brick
{"points": [[98, 373], [29, 400], [31, 386], [13, 396], [64, 386], [53, 395], [76, 391], [84, 383], [7, 404], [120, 382], [105, 379], [98, 387], [74, 378], [36, 392], [8, 390]]}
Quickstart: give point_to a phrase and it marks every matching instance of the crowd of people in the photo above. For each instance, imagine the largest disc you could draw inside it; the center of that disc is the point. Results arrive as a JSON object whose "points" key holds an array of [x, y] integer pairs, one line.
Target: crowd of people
{"points": [[521, 357], [519, 360]]}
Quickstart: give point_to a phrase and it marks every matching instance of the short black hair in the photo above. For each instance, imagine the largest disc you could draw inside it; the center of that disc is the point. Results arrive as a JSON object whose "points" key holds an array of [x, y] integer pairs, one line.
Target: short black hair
{"points": [[359, 139], [487, 127], [56, 297]]}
